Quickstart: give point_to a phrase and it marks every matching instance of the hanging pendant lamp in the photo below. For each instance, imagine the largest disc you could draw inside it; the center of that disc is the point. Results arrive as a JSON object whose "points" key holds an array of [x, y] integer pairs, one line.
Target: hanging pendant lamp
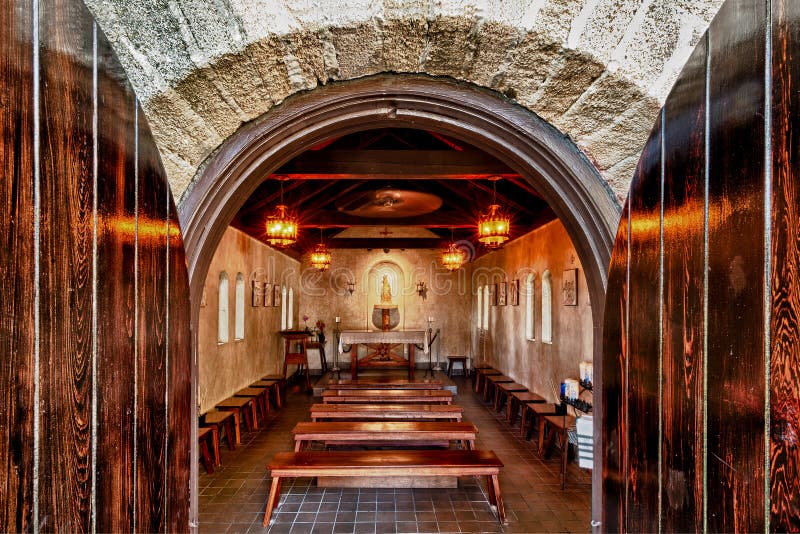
{"points": [[494, 228], [282, 225], [321, 256], [452, 256]]}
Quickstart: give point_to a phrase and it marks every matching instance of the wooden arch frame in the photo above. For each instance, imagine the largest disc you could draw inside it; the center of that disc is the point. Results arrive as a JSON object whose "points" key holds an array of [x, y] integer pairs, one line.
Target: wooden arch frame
{"points": [[540, 153]]}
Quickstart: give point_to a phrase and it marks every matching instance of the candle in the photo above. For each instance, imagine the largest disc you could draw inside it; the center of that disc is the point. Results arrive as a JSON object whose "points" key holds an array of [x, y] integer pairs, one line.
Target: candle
{"points": [[338, 319], [430, 319]]}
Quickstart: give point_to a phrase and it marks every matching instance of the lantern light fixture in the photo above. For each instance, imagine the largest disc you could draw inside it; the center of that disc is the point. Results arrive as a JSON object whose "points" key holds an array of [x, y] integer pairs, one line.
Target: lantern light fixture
{"points": [[494, 228]]}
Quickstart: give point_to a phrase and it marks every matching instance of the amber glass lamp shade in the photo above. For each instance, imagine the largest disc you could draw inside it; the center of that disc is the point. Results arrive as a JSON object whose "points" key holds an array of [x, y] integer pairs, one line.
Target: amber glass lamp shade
{"points": [[281, 228], [494, 228], [321, 257], [453, 257]]}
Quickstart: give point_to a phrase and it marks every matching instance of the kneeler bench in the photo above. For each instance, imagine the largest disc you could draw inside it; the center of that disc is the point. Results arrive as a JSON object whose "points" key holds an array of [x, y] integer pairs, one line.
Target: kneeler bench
{"points": [[386, 465], [396, 433]]}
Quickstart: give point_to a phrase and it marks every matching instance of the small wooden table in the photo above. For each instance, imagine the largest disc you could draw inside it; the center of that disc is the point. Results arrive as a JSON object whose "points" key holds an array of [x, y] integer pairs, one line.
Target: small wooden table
{"points": [[480, 374], [259, 396], [381, 412], [383, 432], [387, 396], [489, 383], [517, 402], [229, 421], [502, 391], [245, 406], [452, 360], [384, 383]]}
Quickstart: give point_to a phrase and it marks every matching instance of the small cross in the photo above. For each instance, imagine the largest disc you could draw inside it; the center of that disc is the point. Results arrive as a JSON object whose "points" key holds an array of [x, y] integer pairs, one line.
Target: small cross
{"points": [[385, 232]]}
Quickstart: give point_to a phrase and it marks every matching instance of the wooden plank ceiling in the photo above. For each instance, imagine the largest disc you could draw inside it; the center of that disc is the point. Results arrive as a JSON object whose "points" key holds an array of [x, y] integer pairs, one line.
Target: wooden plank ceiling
{"points": [[342, 172]]}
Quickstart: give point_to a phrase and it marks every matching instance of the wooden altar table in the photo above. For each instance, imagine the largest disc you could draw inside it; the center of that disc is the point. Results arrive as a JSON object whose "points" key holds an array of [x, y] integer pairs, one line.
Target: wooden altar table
{"points": [[380, 345]]}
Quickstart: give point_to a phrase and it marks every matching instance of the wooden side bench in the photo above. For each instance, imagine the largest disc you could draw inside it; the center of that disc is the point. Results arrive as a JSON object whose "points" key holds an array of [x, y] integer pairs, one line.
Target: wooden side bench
{"points": [[481, 372], [259, 396], [387, 396], [383, 432], [382, 412], [556, 427], [228, 421], [537, 412], [203, 435], [273, 388], [517, 401], [245, 406], [385, 383], [380, 464], [502, 391], [280, 390], [490, 382]]}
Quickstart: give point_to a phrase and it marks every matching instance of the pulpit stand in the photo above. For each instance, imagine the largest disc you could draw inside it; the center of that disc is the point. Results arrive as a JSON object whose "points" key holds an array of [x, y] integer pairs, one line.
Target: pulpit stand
{"points": [[300, 337]]}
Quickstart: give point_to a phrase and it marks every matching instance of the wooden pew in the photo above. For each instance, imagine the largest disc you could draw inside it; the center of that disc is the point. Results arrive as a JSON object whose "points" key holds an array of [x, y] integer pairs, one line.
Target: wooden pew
{"points": [[502, 390], [517, 402], [259, 396], [384, 383], [280, 390], [490, 382], [556, 427], [481, 372], [229, 421], [203, 435], [245, 406], [273, 387], [387, 466], [393, 396], [384, 432], [377, 412]]}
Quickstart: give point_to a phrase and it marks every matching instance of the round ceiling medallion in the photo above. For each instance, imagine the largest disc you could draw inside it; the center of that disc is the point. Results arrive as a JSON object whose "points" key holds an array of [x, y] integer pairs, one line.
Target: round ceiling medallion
{"points": [[390, 203]]}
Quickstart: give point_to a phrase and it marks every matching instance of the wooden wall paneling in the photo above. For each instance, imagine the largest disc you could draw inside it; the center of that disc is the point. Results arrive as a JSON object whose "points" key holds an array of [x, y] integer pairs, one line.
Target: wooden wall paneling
{"points": [[785, 270], [615, 366], [683, 327], [644, 339], [151, 409], [736, 372], [116, 297], [67, 221], [179, 381], [16, 267]]}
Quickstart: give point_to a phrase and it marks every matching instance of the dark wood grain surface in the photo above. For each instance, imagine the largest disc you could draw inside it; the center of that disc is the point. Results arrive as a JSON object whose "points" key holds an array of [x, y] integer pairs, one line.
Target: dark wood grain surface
{"points": [[643, 336], [16, 266], [67, 229], [735, 393], [116, 319], [104, 351], [615, 380], [785, 271], [683, 326]]}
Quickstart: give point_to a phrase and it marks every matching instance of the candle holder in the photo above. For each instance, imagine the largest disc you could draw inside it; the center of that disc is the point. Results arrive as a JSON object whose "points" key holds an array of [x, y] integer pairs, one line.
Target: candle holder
{"points": [[336, 333]]}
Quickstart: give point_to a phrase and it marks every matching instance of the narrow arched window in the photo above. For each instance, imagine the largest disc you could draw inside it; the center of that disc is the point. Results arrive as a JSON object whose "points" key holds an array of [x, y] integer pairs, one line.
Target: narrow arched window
{"points": [[547, 308], [530, 313], [479, 312], [290, 316], [486, 307], [238, 311], [222, 322], [283, 308]]}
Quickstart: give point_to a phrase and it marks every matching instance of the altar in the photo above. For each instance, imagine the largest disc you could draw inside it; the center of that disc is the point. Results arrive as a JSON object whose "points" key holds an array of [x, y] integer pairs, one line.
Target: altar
{"points": [[382, 346]]}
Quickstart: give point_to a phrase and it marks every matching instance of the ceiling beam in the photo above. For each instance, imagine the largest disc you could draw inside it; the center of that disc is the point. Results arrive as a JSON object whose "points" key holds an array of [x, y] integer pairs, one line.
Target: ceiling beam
{"points": [[406, 164]]}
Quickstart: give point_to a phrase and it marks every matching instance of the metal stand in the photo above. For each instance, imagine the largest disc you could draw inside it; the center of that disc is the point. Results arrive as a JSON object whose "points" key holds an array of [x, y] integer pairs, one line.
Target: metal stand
{"points": [[335, 368]]}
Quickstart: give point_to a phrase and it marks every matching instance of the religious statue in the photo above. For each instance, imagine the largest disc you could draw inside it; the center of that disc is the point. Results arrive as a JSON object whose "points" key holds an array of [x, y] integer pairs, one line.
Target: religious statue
{"points": [[386, 291]]}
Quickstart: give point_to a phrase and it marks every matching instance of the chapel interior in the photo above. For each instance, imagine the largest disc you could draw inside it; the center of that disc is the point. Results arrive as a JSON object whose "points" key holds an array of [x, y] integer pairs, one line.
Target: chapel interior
{"points": [[290, 266]]}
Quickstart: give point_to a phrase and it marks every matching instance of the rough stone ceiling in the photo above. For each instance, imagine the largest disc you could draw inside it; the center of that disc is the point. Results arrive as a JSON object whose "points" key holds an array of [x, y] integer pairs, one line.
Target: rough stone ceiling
{"points": [[598, 70]]}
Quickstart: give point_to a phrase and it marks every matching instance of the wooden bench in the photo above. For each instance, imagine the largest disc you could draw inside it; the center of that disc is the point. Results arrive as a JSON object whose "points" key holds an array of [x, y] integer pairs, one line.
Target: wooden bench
{"points": [[481, 372], [280, 390], [378, 412], [452, 360], [203, 435], [490, 382], [556, 427], [536, 413], [273, 388], [384, 383], [517, 402], [387, 396], [245, 406], [386, 466], [228, 421], [259, 396], [502, 390], [384, 432]]}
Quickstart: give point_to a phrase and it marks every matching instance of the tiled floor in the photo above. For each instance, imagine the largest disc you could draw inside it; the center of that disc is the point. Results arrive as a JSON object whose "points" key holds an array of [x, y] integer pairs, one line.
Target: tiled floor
{"points": [[234, 497]]}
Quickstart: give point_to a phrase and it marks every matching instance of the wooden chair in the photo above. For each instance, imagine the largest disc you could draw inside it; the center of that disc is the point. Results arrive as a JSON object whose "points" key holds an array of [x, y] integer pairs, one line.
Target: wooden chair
{"points": [[374, 464]]}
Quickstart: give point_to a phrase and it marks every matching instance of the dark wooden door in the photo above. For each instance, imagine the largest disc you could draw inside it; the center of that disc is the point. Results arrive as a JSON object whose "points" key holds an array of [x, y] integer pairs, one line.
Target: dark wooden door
{"points": [[701, 364], [94, 326]]}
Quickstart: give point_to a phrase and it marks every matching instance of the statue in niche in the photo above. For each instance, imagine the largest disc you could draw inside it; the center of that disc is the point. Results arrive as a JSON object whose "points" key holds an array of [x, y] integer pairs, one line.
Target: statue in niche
{"points": [[386, 291]]}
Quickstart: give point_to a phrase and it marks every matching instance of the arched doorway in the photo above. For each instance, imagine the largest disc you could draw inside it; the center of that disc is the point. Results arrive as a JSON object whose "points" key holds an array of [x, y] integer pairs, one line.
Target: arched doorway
{"points": [[543, 156]]}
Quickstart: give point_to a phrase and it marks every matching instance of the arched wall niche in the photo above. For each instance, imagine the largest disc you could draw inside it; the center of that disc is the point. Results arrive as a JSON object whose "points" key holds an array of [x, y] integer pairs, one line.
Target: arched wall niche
{"points": [[542, 155], [397, 282]]}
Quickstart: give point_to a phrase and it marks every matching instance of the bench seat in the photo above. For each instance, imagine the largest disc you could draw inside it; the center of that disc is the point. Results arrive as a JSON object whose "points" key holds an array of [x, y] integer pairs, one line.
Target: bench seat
{"points": [[383, 412], [387, 395], [384, 432], [386, 465], [384, 383]]}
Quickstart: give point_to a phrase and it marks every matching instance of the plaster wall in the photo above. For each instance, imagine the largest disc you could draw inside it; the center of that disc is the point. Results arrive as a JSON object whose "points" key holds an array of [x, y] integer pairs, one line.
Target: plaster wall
{"points": [[539, 366], [224, 368], [324, 296]]}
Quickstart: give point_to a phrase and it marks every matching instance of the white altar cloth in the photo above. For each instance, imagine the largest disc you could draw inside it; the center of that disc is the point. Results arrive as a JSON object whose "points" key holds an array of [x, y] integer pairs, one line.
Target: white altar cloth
{"points": [[354, 337]]}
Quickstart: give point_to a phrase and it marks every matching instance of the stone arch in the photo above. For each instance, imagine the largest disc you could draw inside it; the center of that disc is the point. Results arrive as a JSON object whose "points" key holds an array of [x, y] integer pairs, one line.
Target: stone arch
{"points": [[597, 70]]}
